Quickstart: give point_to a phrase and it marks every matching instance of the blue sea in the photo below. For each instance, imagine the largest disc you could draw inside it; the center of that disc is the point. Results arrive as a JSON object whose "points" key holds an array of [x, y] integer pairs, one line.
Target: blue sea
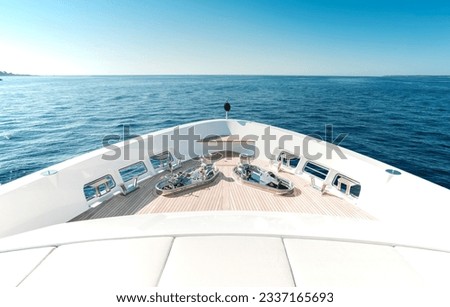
{"points": [[403, 121]]}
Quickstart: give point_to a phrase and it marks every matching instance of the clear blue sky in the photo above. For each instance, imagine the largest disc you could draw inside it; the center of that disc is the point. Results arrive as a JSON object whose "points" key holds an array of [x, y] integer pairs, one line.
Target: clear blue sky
{"points": [[300, 37]]}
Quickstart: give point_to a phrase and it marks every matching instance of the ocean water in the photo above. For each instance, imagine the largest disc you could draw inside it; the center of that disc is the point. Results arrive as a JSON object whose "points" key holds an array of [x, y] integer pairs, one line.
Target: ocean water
{"points": [[403, 121]]}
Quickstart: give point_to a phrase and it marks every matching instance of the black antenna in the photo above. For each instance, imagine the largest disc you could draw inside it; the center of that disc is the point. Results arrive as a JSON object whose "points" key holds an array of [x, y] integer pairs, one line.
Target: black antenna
{"points": [[227, 107]]}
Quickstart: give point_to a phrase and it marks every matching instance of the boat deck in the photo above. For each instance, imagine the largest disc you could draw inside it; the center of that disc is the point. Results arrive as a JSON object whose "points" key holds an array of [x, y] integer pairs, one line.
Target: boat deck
{"points": [[225, 194]]}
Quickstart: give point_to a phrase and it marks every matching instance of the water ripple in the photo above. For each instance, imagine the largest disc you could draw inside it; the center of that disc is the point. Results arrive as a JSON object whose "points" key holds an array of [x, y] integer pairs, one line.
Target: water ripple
{"points": [[403, 121]]}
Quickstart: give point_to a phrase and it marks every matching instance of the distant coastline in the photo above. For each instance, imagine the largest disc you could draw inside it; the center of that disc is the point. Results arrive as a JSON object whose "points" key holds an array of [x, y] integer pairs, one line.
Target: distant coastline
{"points": [[4, 73]]}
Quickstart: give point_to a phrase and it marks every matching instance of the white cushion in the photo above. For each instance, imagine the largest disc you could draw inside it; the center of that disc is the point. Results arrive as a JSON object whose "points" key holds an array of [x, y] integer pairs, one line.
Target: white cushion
{"points": [[227, 261], [325, 263], [16, 265], [110, 263]]}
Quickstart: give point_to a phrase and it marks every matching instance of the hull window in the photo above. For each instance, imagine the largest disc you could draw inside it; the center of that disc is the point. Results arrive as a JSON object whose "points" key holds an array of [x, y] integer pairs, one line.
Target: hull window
{"points": [[99, 187], [162, 160], [132, 171], [316, 170], [288, 160], [347, 185]]}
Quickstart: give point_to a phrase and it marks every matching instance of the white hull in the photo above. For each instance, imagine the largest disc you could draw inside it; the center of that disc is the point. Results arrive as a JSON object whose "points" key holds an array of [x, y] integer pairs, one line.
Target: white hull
{"points": [[409, 225]]}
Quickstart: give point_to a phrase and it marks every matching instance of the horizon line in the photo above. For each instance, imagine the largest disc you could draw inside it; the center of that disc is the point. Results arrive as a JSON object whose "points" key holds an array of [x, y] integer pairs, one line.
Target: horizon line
{"points": [[226, 75]]}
